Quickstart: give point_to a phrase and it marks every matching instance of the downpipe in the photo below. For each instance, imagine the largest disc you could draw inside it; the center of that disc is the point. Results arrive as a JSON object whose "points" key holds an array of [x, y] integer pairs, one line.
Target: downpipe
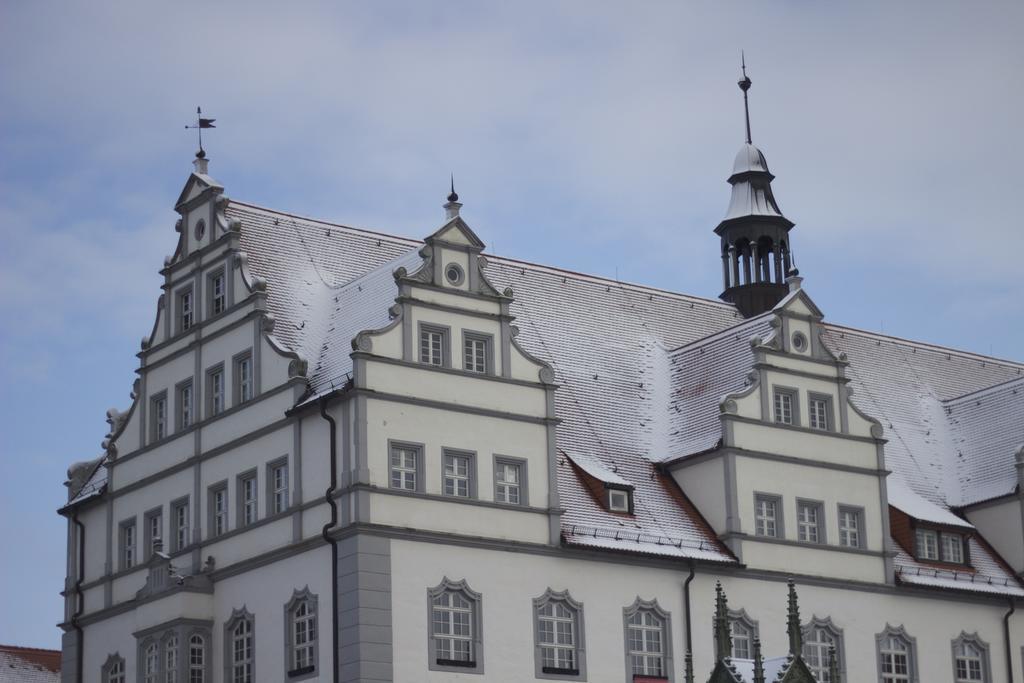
{"points": [[1006, 641], [326, 533], [688, 674], [80, 607]]}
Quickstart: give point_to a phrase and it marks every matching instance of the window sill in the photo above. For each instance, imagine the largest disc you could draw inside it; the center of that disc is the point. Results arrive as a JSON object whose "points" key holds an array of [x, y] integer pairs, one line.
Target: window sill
{"points": [[559, 671], [302, 671], [456, 662]]}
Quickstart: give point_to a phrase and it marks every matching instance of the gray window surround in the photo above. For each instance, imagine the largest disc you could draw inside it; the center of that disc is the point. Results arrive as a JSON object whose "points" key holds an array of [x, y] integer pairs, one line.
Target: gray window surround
{"points": [[780, 526], [973, 639], [237, 616], [107, 665], [819, 507], [740, 616], [830, 422], [122, 545], [640, 605], [240, 481], [798, 340], [180, 325], [460, 274], [207, 654], [794, 400], [476, 624], [911, 643], [211, 526], [210, 277], [524, 489], [154, 423], [471, 471], [419, 449], [861, 531], [298, 597], [210, 373], [236, 377], [181, 402], [272, 466], [576, 608], [446, 343], [177, 504], [147, 532], [835, 633], [488, 340]]}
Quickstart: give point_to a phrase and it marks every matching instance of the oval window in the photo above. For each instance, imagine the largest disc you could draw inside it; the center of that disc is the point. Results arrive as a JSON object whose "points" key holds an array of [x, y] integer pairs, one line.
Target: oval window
{"points": [[453, 273], [799, 341], [200, 229]]}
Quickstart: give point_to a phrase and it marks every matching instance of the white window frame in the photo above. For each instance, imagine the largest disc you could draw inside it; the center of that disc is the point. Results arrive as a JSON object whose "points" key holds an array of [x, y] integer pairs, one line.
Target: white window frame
{"points": [[550, 652], [743, 631], [128, 535], [197, 670], [442, 630], [171, 655], [503, 489], [455, 483], [887, 650], [619, 499], [406, 474], [823, 420], [780, 395], [218, 508], [810, 528], [153, 531], [428, 355], [302, 633], [949, 541], [222, 297], [765, 525], [158, 419], [179, 522], [845, 530], [248, 498], [971, 640], [186, 403], [477, 354], [245, 377], [240, 639], [216, 400], [926, 544], [149, 661], [113, 670], [278, 478], [186, 318], [820, 636], [644, 660]]}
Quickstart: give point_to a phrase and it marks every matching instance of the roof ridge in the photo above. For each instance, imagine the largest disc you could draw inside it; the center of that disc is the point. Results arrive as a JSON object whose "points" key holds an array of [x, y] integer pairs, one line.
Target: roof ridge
{"points": [[921, 344], [984, 391], [369, 231], [27, 649]]}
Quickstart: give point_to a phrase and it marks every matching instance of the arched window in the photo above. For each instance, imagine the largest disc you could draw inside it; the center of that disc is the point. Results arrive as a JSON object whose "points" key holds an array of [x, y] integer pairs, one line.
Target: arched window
{"points": [[897, 657], [456, 642], [648, 640], [112, 670], [171, 653], [820, 636], [238, 644], [151, 663], [970, 660], [196, 659], [558, 636], [744, 631], [301, 620]]}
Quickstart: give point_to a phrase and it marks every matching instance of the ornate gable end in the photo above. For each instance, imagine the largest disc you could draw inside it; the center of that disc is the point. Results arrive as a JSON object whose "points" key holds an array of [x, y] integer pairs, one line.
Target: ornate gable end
{"points": [[452, 260]]}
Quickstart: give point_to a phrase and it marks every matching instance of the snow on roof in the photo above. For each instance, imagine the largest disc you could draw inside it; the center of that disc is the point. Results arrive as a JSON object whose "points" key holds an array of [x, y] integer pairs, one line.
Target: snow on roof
{"points": [[989, 575], [93, 486], [641, 370], [774, 668], [597, 469], [918, 507], [29, 665]]}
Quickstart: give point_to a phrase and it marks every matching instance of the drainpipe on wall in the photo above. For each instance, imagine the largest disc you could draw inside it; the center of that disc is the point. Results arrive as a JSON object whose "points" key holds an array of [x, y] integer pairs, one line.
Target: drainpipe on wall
{"points": [[1006, 642], [688, 674], [80, 607], [329, 497]]}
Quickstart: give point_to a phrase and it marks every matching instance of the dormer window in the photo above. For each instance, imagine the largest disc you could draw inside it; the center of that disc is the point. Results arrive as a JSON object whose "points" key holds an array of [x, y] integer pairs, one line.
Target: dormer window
{"points": [[941, 546], [927, 544], [618, 500], [952, 548]]}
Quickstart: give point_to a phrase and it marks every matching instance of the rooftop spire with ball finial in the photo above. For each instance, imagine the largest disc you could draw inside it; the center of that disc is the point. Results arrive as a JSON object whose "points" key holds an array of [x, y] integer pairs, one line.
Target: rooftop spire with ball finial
{"points": [[451, 209], [745, 84]]}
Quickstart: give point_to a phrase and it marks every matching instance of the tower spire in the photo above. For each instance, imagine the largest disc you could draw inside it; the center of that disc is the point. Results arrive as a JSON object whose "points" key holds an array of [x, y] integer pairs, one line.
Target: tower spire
{"points": [[451, 208], [793, 622], [745, 84]]}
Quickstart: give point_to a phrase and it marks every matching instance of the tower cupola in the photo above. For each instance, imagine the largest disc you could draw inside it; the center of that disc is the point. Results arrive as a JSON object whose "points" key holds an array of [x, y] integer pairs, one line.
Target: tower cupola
{"points": [[756, 254]]}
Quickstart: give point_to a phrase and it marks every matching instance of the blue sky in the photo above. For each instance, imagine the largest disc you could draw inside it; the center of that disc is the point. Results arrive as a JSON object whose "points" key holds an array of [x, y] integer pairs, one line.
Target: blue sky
{"points": [[596, 136]]}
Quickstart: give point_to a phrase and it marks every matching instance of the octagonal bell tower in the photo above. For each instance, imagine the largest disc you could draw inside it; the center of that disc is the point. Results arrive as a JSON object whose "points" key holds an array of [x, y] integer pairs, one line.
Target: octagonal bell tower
{"points": [[756, 253]]}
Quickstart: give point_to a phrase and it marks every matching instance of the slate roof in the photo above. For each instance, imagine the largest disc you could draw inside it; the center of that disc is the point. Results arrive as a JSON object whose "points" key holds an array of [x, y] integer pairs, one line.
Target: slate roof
{"points": [[641, 374]]}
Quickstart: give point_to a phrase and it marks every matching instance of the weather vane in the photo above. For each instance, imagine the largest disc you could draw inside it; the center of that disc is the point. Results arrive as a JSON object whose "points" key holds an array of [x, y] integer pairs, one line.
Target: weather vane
{"points": [[199, 125], [745, 86]]}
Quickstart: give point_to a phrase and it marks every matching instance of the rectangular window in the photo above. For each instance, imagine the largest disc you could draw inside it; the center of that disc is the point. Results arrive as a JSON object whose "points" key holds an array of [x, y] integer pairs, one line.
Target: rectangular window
{"points": [[218, 293], [453, 622], [458, 474], [509, 481], [185, 405], [179, 524], [767, 521], [645, 641], [243, 378], [851, 527], [433, 345], [820, 409], [219, 509], [128, 544], [618, 500], [784, 404], [810, 522], [476, 351], [952, 548], [927, 544], [556, 638], [185, 310], [405, 464], [158, 405], [215, 390], [277, 485], [248, 511], [154, 532]]}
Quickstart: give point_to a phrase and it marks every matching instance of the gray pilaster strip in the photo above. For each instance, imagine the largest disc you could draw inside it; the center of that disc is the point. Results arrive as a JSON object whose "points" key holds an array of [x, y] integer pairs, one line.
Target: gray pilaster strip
{"points": [[297, 480], [506, 341], [407, 332], [108, 585], [364, 609], [257, 364], [883, 493]]}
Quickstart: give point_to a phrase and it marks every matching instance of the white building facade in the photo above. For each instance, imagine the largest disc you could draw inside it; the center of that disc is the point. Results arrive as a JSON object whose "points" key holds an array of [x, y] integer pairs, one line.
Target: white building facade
{"points": [[351, 456]]}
